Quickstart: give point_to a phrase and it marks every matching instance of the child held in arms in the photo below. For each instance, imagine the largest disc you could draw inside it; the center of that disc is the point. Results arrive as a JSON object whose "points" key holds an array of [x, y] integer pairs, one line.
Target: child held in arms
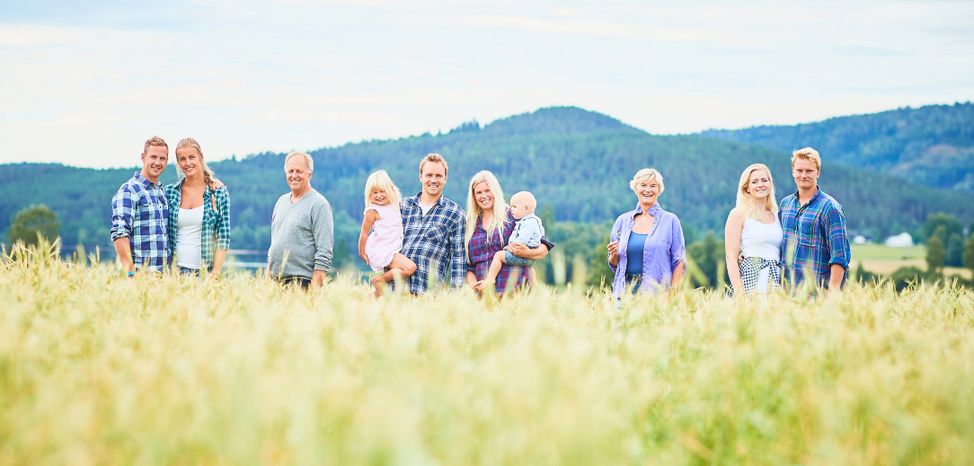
{"points": [[380, 242], [528, 230]]}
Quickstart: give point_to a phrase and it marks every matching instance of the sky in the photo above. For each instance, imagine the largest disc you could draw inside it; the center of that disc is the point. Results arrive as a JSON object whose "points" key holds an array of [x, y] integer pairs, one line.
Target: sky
{"points": [[85, 83]]}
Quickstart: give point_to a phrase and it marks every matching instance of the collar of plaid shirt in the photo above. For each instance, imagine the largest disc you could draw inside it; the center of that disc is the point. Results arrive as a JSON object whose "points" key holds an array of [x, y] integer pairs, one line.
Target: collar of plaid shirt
{"points": [[145, 181], [815, 197], [415, 200]]}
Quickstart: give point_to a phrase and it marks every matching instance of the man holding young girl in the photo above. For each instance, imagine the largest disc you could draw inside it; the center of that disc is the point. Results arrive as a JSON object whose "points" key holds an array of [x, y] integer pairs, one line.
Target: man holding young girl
{"points": [[433, 227]]}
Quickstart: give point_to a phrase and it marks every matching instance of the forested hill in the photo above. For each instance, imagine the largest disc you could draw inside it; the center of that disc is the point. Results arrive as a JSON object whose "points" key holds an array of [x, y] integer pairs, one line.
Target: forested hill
{"points": [[578, 163], [932, 145]]}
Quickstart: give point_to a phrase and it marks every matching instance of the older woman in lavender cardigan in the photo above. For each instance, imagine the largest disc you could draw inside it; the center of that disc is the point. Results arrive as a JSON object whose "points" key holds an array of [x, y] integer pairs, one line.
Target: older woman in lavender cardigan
{"points": [[646, 248]]}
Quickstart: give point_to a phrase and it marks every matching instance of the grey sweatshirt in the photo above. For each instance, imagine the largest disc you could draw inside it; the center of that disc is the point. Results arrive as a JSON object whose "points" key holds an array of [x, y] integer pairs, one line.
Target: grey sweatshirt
{"points": [[304, 232]]}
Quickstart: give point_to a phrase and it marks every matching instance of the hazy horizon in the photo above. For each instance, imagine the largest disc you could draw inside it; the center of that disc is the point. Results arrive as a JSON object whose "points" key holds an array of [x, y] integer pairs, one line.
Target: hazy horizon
{"points": [[134, 162]]}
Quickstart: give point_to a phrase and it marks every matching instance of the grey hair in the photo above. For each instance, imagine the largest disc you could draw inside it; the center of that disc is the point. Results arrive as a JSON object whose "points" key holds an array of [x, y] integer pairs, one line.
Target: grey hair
{"points": [[307, 158]]}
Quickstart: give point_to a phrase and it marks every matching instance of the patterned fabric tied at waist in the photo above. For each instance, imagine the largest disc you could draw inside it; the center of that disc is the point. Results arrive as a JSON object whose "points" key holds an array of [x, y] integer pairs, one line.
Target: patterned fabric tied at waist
{"points": [[751, 268]]}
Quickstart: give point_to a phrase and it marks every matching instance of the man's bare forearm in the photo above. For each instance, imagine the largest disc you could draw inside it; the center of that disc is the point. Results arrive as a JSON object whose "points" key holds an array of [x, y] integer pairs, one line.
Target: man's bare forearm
{"points": [[124, 252]]}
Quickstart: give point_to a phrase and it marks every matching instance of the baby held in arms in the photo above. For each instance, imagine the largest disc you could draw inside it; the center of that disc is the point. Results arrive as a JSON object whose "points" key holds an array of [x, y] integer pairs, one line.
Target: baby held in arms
{"points": [[528, 230]]}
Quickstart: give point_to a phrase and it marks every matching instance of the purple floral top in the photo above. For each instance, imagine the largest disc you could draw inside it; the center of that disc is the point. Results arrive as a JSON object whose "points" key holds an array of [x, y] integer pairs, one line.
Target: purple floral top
{"points": [[662, 253], [481, 251]]}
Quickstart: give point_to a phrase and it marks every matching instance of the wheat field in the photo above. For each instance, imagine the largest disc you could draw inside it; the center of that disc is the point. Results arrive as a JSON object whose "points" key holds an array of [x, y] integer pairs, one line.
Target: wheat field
{"points": [[99, 369]]}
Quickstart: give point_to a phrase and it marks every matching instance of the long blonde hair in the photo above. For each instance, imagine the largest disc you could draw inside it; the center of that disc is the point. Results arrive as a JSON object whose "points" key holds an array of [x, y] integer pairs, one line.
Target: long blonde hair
{"points": [[744, 202], [474, 210], [380, 179], [190, 142]]}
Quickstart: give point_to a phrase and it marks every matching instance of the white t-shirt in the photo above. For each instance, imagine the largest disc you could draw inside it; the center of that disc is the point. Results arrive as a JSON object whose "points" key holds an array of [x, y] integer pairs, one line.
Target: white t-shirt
{"points": [[189, 238], [426, 207]]}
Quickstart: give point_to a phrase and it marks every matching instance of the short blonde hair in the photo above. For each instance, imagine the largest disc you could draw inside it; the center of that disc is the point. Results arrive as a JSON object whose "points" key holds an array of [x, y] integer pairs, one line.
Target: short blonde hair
{"points": [[155, 141], [525, 197], [433, 157], [310, 162], [381, 180], [807, 153], [647, 174]]}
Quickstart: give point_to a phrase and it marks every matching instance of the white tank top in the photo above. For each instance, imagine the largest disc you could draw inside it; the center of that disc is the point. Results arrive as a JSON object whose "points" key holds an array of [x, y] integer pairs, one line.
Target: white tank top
{"points": [[761, 239], [189, 238]]}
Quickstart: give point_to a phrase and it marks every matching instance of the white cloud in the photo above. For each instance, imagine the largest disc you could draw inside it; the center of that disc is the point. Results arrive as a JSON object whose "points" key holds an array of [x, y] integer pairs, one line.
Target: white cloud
{"points": [[247, 76]]}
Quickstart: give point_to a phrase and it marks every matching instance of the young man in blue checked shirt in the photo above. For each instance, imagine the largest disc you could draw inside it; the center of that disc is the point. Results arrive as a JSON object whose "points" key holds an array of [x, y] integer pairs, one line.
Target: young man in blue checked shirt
{"points": [[140, 212], [816, 244], [433, 230]]}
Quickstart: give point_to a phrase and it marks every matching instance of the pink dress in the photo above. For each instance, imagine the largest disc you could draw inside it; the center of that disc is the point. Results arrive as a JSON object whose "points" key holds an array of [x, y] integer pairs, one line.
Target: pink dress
{"points": [[385, 240]]}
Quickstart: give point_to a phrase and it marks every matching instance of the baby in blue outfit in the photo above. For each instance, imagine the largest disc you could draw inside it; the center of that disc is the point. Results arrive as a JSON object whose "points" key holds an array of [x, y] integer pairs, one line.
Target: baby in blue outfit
{"points": [[528, 231]]}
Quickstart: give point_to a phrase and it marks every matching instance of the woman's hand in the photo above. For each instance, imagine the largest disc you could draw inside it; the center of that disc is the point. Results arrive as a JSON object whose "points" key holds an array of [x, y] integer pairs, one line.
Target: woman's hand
{"points": [[613, 248]]}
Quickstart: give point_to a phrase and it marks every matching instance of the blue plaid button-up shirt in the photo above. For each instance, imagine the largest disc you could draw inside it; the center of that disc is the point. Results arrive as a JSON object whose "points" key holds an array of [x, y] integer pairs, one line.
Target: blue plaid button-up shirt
{"points": [[140, 213], [434, 242], [814, 237]]}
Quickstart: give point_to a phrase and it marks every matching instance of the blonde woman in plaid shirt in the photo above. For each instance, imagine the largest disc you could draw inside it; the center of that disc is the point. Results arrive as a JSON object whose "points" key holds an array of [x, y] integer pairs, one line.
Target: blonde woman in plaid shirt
{"points": [[199, 213], [753, 234]]}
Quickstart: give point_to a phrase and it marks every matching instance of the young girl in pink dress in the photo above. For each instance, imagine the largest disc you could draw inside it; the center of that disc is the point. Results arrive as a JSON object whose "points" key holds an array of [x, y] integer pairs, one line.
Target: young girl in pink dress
{"points": [[381, 238]]}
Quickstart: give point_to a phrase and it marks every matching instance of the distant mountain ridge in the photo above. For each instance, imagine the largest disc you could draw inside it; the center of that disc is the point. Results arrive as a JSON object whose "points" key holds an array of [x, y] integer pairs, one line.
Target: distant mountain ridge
{"points": [[931, 145], [578, 163], [560, 120]]}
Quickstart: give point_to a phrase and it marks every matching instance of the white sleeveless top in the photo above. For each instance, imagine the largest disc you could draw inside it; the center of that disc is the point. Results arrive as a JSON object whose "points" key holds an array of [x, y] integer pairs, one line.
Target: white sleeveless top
{"points": [[761, 239], [189, 238]]}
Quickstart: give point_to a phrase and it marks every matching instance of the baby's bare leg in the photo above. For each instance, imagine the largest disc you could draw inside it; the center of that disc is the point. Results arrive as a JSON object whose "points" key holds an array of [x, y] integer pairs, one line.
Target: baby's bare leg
{"points": [[495, 267]]}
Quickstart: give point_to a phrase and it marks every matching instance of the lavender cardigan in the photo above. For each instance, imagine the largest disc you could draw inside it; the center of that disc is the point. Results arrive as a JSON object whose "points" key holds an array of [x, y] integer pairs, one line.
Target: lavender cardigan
{"points": [[662, 253]]}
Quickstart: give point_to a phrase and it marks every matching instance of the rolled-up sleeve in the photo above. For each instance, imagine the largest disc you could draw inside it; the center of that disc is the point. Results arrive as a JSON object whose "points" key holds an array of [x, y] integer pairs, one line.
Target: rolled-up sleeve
{"points": [[678, 247], [840, 252], [324, 233], [223, 219], [458, 262], [123, 208], [614, 236]]}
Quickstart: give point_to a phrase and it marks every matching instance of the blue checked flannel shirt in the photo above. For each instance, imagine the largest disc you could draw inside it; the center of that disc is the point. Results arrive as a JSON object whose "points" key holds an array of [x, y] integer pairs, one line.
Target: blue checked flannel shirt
{"points": [[434, 241], [216, 220], [814, 237], [140, 213]]}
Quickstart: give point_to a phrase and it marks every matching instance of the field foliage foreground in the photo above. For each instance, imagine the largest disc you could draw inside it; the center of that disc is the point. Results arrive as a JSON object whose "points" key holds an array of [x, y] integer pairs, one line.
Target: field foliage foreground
{"points": [[99, 369]]}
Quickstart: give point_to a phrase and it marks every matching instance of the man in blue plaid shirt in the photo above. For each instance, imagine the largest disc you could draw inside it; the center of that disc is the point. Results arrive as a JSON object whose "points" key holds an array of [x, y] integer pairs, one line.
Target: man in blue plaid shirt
{"points": [[140, 213], [815, 238], [433, 230]]}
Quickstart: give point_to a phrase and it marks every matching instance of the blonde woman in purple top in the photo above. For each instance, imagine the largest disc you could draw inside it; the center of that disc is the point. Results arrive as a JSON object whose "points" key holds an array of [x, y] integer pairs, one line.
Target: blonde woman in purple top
{"points": [[646, 247], [380, 243]]}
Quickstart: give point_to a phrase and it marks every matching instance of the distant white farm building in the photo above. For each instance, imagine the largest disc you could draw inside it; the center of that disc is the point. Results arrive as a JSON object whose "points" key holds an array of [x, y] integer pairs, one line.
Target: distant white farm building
{"points": [[902, 240], [859, 239]]}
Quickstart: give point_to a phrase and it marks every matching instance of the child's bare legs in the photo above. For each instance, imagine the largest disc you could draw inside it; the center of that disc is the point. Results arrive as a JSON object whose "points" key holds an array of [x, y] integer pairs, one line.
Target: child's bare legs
{"points": [[400, 265], [495, 268]]}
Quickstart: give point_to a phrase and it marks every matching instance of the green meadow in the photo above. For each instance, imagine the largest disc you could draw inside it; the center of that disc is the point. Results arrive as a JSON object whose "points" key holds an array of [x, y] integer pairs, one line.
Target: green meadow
{"points": [[884, 260]]}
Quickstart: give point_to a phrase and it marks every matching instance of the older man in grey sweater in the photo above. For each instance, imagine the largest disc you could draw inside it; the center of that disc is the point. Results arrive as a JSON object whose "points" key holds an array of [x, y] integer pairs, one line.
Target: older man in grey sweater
{"points": [[302, 229]]}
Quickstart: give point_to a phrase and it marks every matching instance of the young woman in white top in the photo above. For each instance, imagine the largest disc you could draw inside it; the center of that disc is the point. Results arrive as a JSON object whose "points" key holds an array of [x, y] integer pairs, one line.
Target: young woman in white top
{"points": [[752, 235], [199, 214]]}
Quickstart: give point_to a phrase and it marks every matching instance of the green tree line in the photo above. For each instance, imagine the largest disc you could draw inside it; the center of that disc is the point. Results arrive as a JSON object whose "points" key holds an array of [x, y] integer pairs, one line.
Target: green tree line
{"points": [[577, 163]]}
